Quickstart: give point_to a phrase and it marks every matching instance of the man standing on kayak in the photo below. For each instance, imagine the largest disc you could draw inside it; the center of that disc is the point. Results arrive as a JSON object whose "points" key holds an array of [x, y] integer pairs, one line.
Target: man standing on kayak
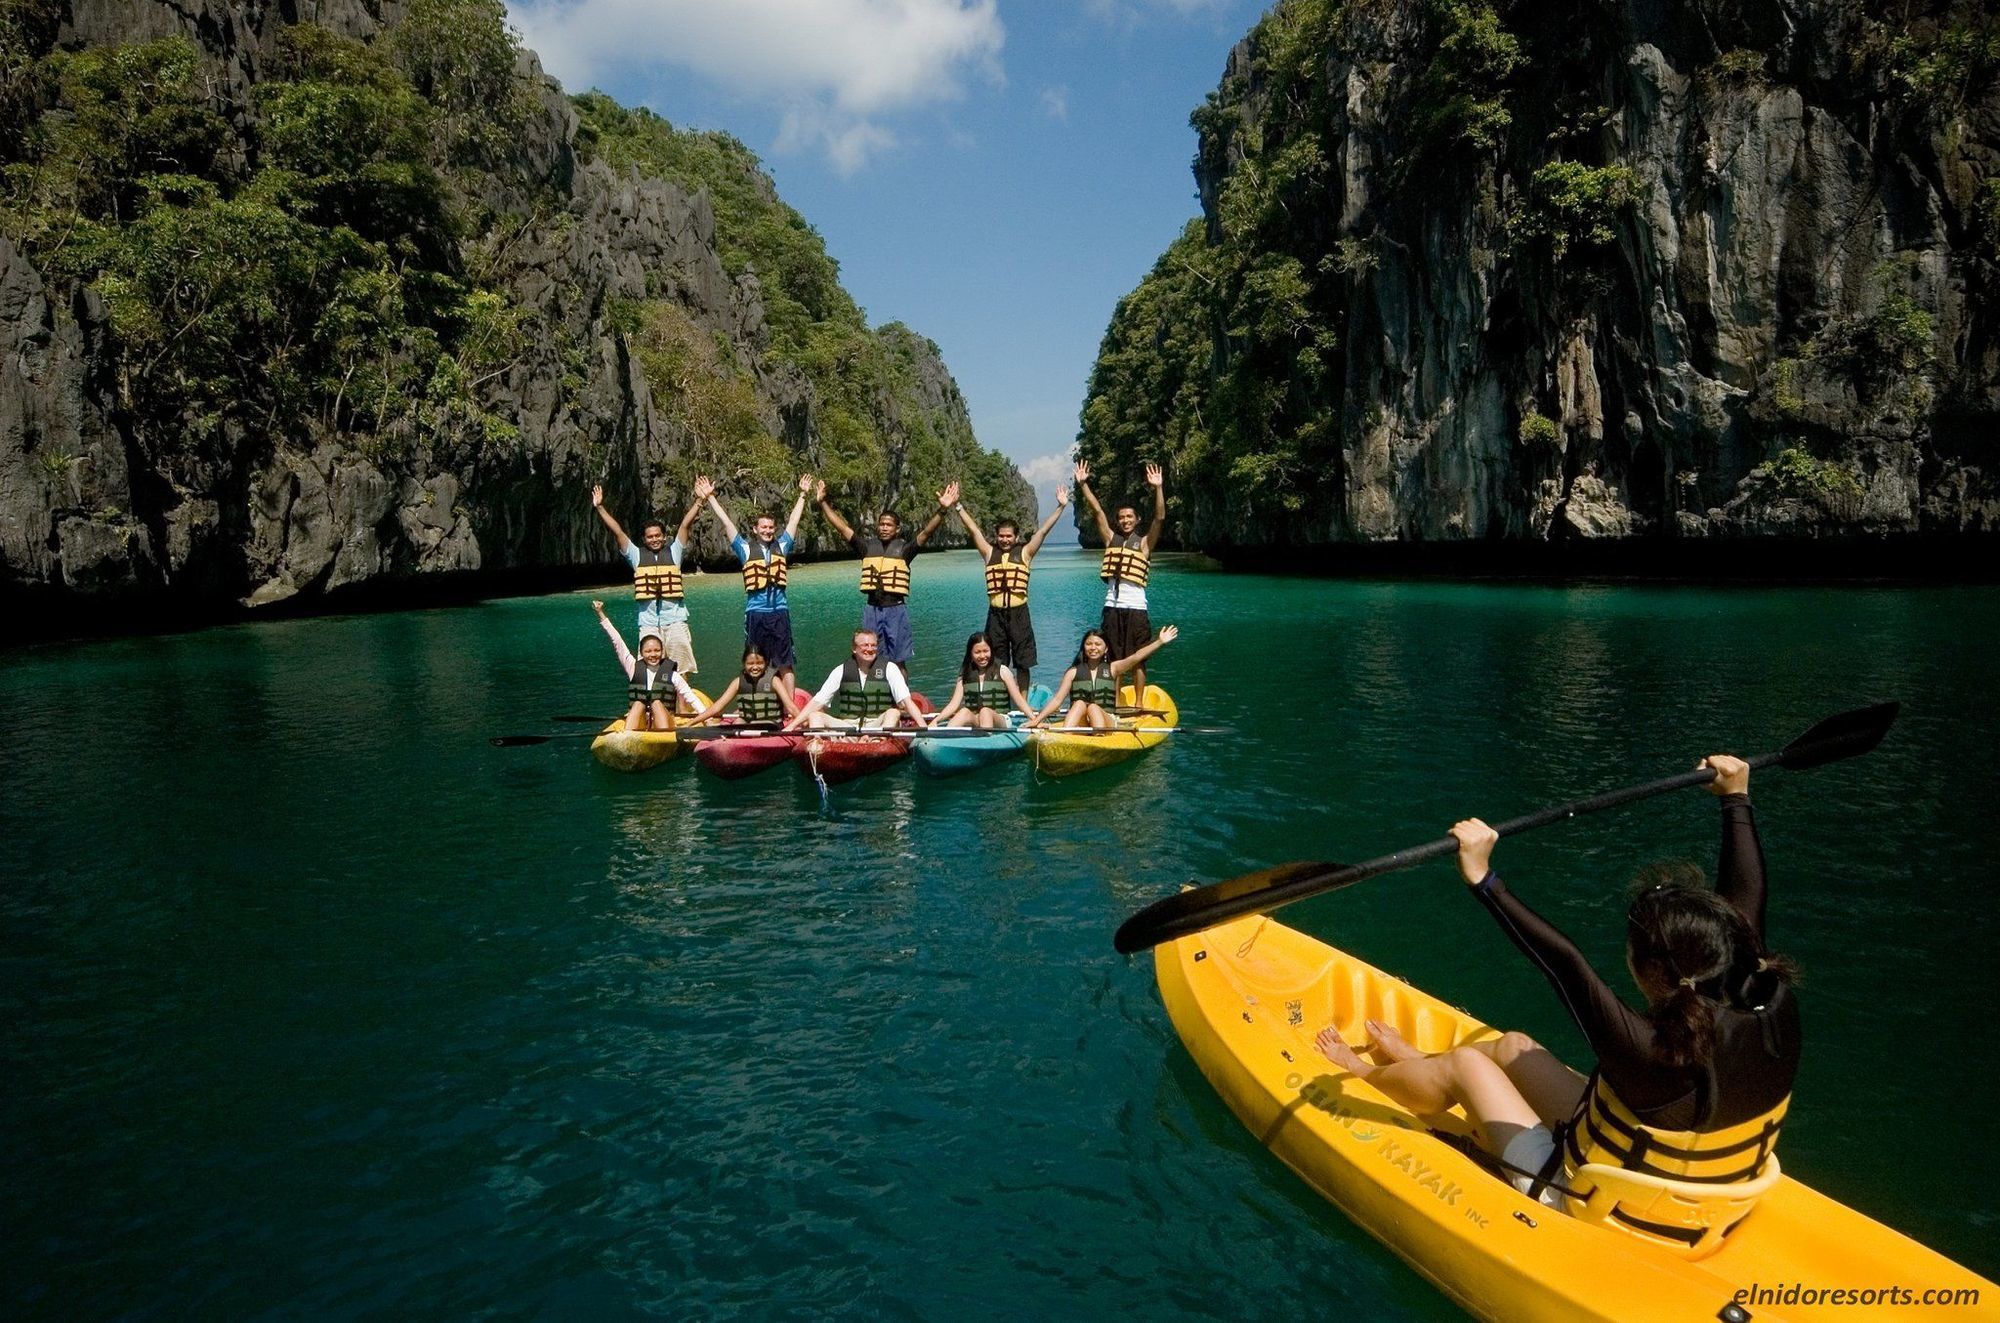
{"points": [[767, 618], [1009, 629], [656, 577], [1128, 558], [865, 690], [885, 570]]}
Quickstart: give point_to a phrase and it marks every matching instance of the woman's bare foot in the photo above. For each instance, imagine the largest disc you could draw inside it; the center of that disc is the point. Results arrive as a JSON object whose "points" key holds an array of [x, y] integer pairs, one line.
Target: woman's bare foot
{"points": [[1335, 1049], [1389, 1044]]}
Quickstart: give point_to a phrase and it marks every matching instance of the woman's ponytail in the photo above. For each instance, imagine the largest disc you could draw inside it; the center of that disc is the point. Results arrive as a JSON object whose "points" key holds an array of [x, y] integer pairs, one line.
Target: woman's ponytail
{"points": [[1683, 936]]}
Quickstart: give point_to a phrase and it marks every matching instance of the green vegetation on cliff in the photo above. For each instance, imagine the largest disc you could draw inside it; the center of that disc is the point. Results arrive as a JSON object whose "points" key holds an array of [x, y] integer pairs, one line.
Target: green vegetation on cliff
{"points": [[302, 261], [1457, 254], [815, 328]]}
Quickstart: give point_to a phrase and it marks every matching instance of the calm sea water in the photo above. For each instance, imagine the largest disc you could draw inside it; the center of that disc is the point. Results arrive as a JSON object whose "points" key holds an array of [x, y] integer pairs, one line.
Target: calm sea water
{"points": [[314, 1004]]}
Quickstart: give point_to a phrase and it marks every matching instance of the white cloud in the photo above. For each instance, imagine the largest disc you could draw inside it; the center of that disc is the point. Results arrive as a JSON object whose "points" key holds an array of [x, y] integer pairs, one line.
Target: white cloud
{"points": [[835, 68], [1055, 103], [1046, 469]]}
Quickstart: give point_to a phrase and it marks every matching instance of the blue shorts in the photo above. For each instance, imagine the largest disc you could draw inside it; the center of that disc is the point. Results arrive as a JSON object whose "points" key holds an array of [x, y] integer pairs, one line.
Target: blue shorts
{"points": [[771, 632], [892, 629]]}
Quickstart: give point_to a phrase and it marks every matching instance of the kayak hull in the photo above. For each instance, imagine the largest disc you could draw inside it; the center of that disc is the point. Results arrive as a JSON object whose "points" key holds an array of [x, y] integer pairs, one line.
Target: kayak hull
{"points": [[1248, 996], [837, 756], [954, 757], [625, 750], [734, 758], [1060, 753]]}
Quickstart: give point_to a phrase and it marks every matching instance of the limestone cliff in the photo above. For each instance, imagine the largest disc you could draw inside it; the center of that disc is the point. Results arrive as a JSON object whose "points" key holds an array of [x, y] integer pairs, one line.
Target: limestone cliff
{"points": [[587, 321], [1612, 270]]}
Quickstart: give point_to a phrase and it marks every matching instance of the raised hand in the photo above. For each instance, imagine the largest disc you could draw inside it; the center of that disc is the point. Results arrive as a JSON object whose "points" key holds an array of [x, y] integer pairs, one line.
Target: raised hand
{"points": [[819, 491], [703, 489], [597, 607], [1732, 775], [1154, 476], [1062, 497], [1082, 472], [805, 483], [597, 496], [1475, 849], [949, 496], [1170, 633]]}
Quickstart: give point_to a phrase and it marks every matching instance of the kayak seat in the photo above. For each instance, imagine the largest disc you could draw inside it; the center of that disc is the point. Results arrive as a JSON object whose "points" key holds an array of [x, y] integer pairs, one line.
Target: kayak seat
{"points": [[1687, 1218]]}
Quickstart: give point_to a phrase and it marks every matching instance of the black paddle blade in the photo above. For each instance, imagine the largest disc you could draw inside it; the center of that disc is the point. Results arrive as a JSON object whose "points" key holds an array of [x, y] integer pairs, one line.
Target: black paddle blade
{"points": [[1838, 737], [1192, 910], [594, 721], [518, 741]]}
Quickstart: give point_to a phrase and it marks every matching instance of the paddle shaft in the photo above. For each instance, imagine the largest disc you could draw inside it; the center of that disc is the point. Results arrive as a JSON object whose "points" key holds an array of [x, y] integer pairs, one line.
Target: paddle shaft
{"points": [[1841, 736]]}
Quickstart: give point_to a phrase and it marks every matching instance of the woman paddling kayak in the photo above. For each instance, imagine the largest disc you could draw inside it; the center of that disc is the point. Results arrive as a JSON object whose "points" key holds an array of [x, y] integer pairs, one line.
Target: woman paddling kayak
{"points": [[1690, 1092], [982, 684], [1091, 682], [653, 681], [760, 694]]}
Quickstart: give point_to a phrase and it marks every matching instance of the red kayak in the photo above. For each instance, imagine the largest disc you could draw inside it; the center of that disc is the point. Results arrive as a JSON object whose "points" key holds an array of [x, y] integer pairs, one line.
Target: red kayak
{"points": [[736, 757], [839, 756]]}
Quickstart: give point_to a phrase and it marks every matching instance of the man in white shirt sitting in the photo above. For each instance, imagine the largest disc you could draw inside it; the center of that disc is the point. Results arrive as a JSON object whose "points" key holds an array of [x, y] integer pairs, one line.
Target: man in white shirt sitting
{"points": [[865, 690]]}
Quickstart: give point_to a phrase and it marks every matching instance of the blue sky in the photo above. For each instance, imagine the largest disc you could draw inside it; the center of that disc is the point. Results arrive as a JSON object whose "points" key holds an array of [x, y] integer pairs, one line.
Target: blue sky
{"points": [[994, 173]]}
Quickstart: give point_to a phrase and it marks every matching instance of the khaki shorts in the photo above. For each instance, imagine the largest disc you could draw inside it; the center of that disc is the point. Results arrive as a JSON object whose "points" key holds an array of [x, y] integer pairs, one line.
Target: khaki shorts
{"points": [[680, 645]]}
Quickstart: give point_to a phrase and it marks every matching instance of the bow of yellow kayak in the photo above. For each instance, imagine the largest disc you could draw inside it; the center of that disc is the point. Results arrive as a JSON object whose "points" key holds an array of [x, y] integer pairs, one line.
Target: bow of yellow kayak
{"points": [[625, 750], [1065, 753], [1247, 998]]}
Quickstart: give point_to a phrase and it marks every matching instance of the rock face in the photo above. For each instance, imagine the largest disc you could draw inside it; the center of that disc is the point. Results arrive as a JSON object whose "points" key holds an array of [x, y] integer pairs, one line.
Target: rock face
{"points": [[1647, 269], [97, 506]]}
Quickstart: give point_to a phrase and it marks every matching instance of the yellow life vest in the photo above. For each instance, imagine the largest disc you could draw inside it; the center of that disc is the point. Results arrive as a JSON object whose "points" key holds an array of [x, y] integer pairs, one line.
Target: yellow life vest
{"points": [[656, 578], [1686, 1189], [1007, 579], [885, 574], [759, 574], [1126, 560]]}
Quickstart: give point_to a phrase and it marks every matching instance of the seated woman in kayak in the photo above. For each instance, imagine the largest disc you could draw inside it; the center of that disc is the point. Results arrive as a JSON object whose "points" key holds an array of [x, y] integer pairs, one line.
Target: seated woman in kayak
{"points": [[1091, 682], [760, 694], [982, 684], [1692, 1089], [653, 680], [865, 690]]}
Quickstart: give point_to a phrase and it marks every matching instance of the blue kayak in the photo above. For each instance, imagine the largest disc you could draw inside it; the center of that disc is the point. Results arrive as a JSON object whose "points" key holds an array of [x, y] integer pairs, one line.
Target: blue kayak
{"points": [[949, 755]]}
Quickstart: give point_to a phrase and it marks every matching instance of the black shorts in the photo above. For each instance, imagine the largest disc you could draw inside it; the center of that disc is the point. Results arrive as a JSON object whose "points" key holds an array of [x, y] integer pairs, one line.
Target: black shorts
{"points": [[1125, 632], [771, 631], [1012, 635]]}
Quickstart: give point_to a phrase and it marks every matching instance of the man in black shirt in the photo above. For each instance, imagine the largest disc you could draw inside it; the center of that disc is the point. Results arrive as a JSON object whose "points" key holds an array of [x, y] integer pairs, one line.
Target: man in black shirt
{"points": [[885, 570]]}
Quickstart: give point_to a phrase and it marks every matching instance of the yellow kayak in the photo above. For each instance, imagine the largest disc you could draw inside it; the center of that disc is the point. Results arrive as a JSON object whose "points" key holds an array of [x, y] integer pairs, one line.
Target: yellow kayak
{"points": [[1248, 996], [625, 750], [1065, 753]]}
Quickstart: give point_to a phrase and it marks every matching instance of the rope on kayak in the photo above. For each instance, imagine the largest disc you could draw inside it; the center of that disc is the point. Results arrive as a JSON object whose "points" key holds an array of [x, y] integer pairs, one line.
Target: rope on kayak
{"points": [[813, 747]]}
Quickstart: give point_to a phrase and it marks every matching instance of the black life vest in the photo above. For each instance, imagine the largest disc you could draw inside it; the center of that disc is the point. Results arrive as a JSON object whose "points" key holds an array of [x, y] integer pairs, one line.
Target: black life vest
{"points": [[1094, 684], [662, 688], [1007, 578], [863, 694], [757, 700], [984, 689]]}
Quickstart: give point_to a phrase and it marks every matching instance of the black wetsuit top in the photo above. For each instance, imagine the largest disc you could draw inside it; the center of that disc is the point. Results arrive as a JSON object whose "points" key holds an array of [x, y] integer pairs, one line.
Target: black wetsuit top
{"points": [[1756, 1030]]}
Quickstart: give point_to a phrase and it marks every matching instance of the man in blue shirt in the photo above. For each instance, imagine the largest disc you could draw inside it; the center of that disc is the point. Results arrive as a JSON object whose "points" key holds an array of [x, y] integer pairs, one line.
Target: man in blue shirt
{"points": [[656, 577], [767, 619]]}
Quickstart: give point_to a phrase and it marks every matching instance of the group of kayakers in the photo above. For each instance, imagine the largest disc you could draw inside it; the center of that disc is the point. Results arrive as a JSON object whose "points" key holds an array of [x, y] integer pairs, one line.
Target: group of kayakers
{"points": [[870, 686]]}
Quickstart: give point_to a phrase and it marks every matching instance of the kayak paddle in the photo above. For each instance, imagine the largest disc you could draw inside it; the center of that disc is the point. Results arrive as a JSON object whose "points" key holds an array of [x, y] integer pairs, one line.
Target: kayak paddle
{"points": [[706, 732], [1844, 736]]}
